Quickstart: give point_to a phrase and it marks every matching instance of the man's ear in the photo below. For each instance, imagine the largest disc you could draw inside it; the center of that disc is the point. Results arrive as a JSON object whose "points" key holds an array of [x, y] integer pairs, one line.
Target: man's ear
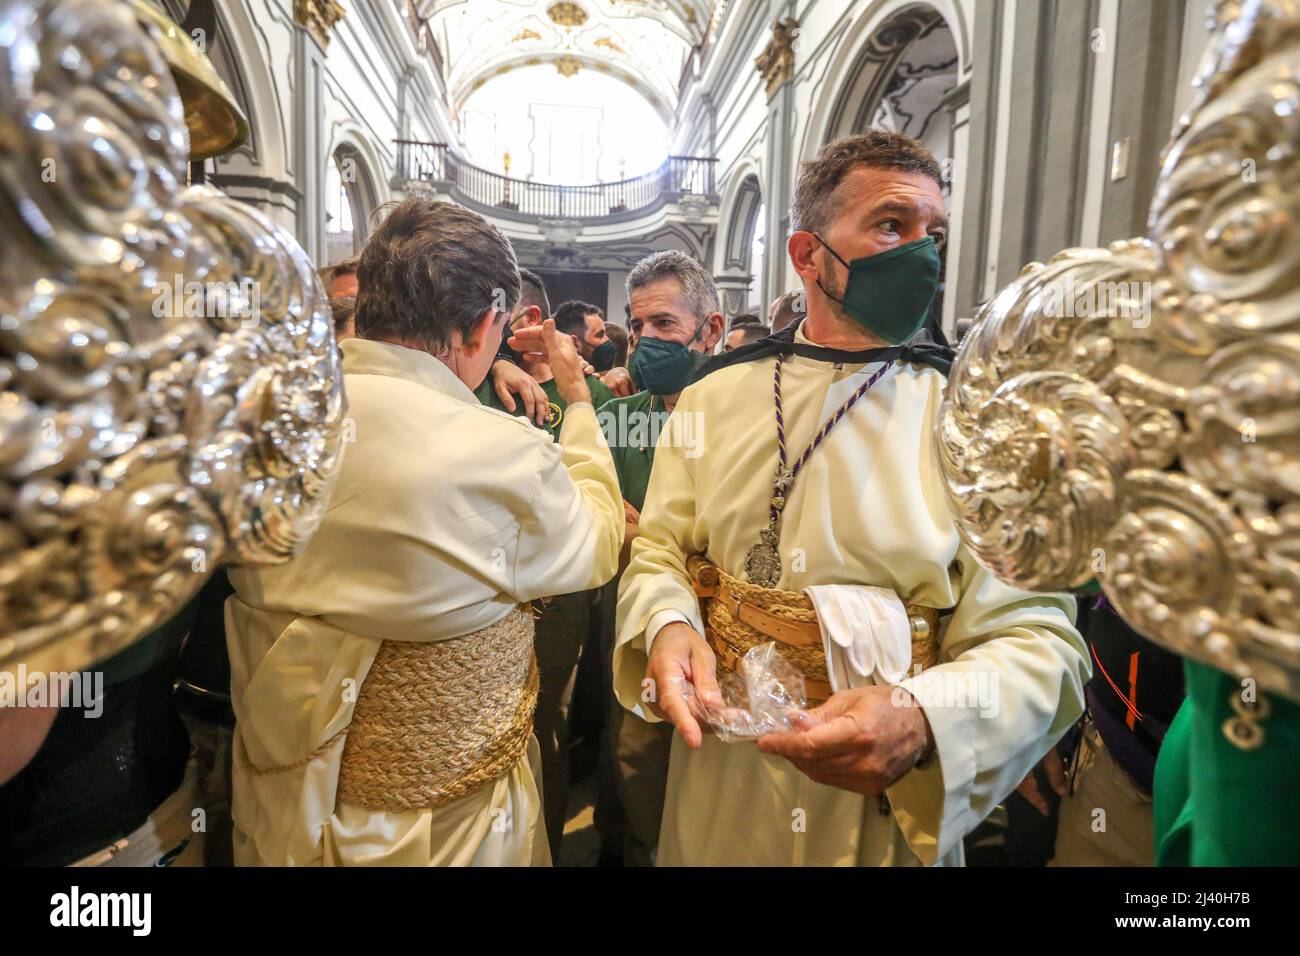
{"points": [[714, 328], [486, 332], [803, 247]]}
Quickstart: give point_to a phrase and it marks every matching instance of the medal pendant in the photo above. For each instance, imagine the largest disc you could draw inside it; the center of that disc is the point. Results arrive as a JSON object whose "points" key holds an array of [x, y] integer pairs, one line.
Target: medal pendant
{"points": [[763, 561]]}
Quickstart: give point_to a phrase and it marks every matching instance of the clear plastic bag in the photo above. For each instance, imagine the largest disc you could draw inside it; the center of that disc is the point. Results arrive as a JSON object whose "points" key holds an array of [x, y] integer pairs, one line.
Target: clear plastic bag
{"points": [[761, 696]]}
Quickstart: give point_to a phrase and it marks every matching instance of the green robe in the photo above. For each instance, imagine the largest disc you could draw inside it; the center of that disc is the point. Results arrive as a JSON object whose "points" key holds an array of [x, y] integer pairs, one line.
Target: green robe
{"points": [[600, 394], [1217, 804]]}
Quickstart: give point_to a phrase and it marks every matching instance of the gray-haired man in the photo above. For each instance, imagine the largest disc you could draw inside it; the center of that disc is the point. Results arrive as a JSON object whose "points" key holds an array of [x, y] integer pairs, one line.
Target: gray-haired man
{"points": [[674, 302]]}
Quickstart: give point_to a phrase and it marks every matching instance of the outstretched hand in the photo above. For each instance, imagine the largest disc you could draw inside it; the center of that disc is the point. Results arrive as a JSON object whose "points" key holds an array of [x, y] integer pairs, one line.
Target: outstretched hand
{"points": [[680, 656], [560, 353]]}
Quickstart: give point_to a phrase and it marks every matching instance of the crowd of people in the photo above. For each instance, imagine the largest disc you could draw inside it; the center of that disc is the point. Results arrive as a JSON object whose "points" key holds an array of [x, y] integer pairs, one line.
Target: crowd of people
{"points": [[549, 527]]}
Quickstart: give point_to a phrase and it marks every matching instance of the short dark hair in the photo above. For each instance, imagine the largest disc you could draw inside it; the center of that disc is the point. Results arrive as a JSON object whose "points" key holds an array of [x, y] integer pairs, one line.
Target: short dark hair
{"points": [[618, 335], [745, 318], [347, 267], [532, 291], [344, 310], [430, 270], [571, 316], [749, 331], [817, 193]]}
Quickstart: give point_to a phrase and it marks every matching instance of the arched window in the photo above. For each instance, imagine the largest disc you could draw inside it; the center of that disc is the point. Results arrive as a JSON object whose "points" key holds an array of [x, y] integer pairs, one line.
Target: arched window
{"points": [[757, 260], [900, 82], [349, 200], [745, 248], [569, 129]]}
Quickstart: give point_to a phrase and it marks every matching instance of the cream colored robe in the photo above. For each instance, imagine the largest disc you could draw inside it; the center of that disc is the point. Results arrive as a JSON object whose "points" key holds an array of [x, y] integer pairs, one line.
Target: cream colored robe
{"points": [[868, 508], [446, 515]]}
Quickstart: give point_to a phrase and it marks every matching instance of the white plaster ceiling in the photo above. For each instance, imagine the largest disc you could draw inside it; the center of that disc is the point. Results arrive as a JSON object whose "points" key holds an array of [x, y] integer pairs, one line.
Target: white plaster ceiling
{"points": [[644, 43]]}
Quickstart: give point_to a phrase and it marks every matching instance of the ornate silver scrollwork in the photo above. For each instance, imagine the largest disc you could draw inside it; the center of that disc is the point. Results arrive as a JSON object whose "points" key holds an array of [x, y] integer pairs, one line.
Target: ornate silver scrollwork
{"points": [[1133, 413], [170, 396]]}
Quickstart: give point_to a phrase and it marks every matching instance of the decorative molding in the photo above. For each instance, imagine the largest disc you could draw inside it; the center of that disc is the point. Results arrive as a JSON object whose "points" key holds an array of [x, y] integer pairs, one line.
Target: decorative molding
{"points": [[567, 15], [319, 17], [776, 63], [279, 187]]}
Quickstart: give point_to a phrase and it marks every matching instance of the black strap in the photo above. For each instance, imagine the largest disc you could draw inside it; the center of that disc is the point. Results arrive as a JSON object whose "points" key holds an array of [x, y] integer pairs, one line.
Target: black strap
{"points": [[918, 352]]}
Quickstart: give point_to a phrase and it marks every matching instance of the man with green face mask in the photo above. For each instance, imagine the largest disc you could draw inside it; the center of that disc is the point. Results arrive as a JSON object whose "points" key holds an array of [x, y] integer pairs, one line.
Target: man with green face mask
{"points": [[675, 305], [586, 323], [812, 516]]}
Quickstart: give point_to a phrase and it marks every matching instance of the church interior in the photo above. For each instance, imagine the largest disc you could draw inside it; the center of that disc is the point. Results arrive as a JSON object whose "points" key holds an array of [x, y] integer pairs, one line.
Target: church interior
{"points": [[245, 243]]}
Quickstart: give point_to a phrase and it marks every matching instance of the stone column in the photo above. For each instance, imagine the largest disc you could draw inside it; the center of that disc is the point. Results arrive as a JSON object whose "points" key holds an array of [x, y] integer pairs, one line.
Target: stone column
{"points": [[777, 66], [733, 290]]}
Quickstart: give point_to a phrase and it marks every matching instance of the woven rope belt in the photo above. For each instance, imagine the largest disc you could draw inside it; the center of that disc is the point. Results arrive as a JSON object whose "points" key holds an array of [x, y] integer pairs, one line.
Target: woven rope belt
{"points": [[436, 721], [739, 615]]}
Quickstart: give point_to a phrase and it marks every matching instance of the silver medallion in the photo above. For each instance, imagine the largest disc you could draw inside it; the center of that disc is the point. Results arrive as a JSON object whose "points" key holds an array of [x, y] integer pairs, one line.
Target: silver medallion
{"points": [[763, 561]]}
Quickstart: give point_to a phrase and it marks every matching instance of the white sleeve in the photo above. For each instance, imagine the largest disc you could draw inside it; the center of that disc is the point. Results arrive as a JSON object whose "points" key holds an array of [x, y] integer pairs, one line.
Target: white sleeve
{"points": [[1010, 687], [570, 538]]}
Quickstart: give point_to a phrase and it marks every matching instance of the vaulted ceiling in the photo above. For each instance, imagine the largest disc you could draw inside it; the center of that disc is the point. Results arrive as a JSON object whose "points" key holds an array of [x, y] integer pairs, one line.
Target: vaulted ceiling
{"points": [[645, 43]]}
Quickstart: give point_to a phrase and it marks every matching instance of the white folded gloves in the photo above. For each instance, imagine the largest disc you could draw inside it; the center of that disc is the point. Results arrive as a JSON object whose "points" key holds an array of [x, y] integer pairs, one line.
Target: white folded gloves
{"points": [[866, 634]]}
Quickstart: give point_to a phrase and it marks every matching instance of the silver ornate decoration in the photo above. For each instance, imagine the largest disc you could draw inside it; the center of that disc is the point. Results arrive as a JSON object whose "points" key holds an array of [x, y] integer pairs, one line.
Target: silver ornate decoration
{"points": [[1132, 414], [170, 396], [763, 560]]}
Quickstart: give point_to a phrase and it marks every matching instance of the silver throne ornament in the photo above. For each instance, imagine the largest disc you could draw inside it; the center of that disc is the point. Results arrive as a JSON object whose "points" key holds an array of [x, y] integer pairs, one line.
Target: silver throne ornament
{"points": [[170, 395], [1132, 414]]}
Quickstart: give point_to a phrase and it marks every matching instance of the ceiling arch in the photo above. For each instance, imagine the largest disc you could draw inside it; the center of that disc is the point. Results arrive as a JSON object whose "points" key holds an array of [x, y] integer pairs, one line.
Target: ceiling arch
{"points": [[584, 61], [643, 42]]}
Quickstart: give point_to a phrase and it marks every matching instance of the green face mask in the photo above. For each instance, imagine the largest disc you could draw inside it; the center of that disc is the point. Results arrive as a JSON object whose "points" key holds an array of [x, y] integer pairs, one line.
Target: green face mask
{"points": [[603, 356], [662, 367], [889, 294]]}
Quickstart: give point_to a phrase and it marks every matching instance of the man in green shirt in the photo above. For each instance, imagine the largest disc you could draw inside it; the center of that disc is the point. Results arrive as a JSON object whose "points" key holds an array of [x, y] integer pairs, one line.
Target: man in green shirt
{"points": [[674, 304], [534, 308]]}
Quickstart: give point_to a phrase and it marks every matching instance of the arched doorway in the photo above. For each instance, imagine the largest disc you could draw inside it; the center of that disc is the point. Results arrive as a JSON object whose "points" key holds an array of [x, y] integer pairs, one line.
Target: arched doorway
{"points": [[902, 78], [900, 81], [350, 198], [740, 282]]}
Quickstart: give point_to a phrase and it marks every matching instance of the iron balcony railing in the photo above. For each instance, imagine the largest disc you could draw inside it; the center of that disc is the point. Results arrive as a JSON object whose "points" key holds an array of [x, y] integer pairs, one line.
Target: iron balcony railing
{"points": [[522, 198]]}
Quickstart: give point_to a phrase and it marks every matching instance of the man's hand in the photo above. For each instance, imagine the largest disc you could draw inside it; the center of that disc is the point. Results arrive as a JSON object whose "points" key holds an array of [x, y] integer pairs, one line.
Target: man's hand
{"points": [[507, 378], [859, 740], [1055, 773], [619, 381], [631, 528], [560, 354], [679, 656]]}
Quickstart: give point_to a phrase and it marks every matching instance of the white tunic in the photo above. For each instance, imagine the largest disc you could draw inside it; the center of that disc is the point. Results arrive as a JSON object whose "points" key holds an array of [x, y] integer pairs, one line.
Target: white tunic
{"points": [[868, 508], [445, 516]]}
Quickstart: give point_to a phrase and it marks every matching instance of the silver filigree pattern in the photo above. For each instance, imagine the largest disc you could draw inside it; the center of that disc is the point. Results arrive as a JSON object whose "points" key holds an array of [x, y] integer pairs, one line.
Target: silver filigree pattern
{"points": [[1132, 414], [170, 395]]}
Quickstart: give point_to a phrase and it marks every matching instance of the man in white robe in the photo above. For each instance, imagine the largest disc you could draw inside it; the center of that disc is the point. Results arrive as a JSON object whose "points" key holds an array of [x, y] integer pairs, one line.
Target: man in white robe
{"points": [[868, 508], [446, 516]]}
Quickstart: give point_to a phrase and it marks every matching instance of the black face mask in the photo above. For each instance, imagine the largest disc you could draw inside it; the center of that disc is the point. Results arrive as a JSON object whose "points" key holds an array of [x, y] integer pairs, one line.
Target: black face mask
{"points": [[603, 356]]}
